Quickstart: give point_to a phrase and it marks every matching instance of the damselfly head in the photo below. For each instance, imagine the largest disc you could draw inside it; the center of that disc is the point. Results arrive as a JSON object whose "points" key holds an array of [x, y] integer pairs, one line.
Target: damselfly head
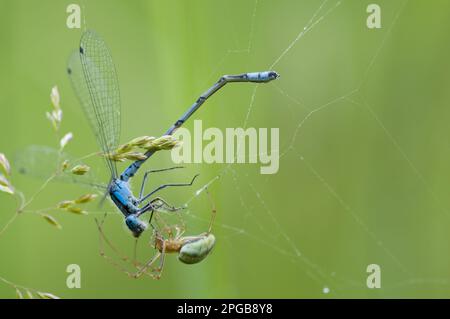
{"points": [[136, 225]]}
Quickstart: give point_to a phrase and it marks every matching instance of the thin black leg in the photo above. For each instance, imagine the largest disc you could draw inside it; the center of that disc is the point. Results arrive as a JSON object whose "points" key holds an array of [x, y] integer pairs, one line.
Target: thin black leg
{"points": [[144, 181], [165, 186]]}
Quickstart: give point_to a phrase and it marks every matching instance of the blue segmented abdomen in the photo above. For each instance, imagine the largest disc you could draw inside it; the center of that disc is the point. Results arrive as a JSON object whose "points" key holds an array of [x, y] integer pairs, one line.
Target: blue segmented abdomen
{"points": [[265, 76]]}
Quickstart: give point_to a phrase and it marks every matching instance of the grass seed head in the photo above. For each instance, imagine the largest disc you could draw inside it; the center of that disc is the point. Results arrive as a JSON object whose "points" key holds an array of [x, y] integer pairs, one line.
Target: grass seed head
{"points": [[55, 117], [113, 156], [80, 169], [4, 165], [19, 294], [76, 210], [66, 139], [165, 142], [124, 148], [52, 221], [46, 295], [142, 140], [86, 198], [5, 185], [55, 98], [65, 203], [64, 165], [135, 156], [3, 180]]}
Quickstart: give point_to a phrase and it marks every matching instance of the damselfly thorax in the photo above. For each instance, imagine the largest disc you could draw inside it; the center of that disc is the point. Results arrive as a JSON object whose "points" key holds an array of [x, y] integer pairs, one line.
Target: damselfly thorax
{"points": [[121, 195]]}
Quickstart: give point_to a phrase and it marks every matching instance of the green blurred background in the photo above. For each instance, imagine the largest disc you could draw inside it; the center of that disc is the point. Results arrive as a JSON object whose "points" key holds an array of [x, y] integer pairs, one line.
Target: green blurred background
{"points": [[372, 186]]}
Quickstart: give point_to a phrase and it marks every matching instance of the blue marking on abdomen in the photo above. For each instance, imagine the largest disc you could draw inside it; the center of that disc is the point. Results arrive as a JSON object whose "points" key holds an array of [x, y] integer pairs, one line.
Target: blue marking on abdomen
{"points": [[258, 76]]}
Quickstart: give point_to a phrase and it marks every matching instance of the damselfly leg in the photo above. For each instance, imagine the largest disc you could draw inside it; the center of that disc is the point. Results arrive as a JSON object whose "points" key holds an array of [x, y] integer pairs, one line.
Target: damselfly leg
{"points": [[161, 187], [144, 180]]}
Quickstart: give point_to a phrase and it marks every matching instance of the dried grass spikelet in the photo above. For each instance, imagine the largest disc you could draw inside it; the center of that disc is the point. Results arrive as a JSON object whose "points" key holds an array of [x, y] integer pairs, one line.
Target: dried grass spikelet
{"points": [[142, 140], [55, 116], [55, 98], [128, 151], [69, 205], [165, 142], [3, 180], [124, 148], [80, 169], [113, 156], [5, 172], [135, 156], [51, 220], [65, 204], [28, 294], [121, 157], [64, 165], [4, 165], [76, 210], [19, 294], [46, 295], [136, 142], [65, 139], [5, 185], [86, 198]]}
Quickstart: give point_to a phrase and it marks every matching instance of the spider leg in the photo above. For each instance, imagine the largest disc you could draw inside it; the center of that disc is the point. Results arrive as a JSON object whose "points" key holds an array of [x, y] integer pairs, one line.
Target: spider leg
{"points": [[168, 229], [165, 205], [213, 210], [161, 262], [103, 239], [155, 273], [143, 270], [134, 262], [150, 206]]}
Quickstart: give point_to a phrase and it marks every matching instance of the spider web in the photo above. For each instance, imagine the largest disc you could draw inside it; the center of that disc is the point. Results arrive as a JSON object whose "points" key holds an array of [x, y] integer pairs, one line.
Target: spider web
{"points": [[269, 231], [260, 223]]}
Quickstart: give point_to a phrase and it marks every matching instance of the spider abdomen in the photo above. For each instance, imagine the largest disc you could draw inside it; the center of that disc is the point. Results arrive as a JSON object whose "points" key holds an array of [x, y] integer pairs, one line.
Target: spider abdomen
{"points": [[195, 250]]}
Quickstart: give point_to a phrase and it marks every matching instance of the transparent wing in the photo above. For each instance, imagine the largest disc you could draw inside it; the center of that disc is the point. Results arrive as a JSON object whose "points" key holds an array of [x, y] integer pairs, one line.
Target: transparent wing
{"points": [[43, 161], [94, 79]]}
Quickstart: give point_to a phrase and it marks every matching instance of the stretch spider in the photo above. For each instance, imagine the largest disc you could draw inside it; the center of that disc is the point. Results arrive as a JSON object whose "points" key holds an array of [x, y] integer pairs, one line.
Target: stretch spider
{"points": [[166, 239]]}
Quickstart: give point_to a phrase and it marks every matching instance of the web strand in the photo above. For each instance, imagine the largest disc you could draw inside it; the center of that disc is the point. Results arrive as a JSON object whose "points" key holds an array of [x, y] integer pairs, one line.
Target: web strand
{"points": [[314, 270]]}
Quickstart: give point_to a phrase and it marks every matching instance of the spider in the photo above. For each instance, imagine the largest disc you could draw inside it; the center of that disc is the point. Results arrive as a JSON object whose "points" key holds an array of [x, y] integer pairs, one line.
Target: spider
{"points": [[167, 240]]}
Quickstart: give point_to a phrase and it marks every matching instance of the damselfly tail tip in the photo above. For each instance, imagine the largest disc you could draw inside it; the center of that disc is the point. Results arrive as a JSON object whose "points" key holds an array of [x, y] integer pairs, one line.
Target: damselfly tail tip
{"points": [[273, 75]]}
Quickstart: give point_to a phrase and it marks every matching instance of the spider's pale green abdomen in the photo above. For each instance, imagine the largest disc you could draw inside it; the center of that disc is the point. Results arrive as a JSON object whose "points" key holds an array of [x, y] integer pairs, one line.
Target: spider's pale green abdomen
{"points": [[195, 251]]}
